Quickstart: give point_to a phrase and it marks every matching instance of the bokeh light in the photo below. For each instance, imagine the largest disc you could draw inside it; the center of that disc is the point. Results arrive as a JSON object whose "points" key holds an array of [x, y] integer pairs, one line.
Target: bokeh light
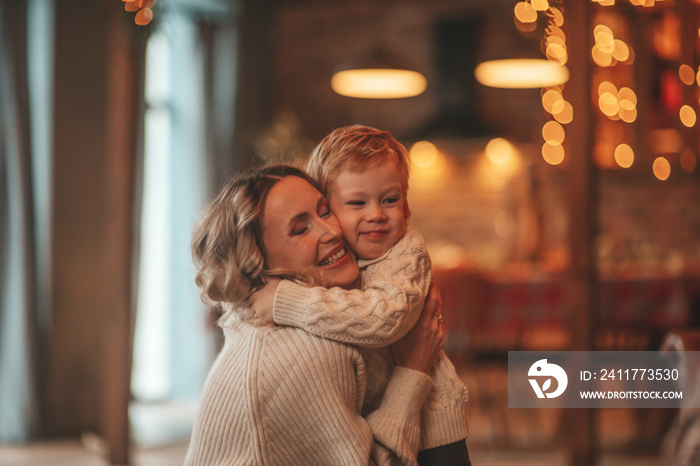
{"points": [[540, 5], [566, 115], [687, 116], [525, 13], [423, 154], [553, 131], [553, 153], [661, 168], [499, 151], [687, 75], [624, 155]]}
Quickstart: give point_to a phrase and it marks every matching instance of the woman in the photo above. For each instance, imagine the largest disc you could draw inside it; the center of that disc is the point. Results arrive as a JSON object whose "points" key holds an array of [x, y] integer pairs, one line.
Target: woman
{"points": [[278, 395]]}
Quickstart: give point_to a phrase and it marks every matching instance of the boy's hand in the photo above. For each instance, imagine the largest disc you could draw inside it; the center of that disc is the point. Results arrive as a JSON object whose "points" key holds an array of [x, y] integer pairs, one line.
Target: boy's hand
{"points": [[261, 303], [419, 348]]}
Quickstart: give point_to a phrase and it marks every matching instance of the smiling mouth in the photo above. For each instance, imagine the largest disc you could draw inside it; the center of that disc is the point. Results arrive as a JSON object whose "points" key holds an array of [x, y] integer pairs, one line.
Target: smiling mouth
{"points": [[334, 258], [375, 233]]}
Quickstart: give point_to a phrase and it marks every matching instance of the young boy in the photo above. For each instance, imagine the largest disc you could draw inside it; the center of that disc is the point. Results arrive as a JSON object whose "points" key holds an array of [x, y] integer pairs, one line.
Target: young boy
{"points": [[364, 174]]}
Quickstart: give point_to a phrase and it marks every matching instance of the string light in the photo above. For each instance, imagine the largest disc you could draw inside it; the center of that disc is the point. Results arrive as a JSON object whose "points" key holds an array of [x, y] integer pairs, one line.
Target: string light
{"points": [[143, 9]]}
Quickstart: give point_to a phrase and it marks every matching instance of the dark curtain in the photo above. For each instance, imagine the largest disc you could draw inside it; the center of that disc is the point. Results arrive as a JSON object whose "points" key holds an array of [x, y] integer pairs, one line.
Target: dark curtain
{"points": [[18, 318]]}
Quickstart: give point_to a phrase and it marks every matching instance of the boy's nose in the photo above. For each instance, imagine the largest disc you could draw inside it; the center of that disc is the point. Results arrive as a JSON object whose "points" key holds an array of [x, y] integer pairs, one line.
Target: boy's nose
{"points": [[376, 214]]}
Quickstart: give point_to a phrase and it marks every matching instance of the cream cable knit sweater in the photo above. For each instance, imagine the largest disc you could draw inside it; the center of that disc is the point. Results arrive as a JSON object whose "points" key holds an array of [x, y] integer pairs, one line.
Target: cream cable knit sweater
{"points": [[392, 294], [281, 396]]}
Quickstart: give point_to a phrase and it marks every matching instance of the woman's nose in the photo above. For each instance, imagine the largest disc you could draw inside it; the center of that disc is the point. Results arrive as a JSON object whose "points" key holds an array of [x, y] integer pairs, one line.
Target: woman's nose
{"points": [[331, 229]]}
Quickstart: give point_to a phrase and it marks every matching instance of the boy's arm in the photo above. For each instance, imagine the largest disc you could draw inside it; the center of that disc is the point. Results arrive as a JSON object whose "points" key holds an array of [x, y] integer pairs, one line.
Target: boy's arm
{"points": [[396, 423], [393, 293]]}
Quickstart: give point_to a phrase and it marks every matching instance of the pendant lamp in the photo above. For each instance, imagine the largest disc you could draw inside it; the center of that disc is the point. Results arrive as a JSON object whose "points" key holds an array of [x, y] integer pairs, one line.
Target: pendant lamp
{"points": [[521, 73], [379, 76]]}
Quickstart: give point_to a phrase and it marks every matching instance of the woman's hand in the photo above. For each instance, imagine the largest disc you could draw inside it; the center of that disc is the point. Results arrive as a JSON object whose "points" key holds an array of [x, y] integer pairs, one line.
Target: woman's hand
{"points": [[261, 303], [419, 348]]}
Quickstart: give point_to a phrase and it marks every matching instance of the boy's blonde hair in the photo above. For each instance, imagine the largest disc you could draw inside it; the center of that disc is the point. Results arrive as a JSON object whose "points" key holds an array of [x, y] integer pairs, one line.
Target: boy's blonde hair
{"points": [[355, 148], [227, 245]]}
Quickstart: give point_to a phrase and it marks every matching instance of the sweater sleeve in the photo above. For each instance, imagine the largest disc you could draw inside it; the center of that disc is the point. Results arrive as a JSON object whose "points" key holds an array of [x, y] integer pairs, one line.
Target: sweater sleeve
{"points": [[396, 423], [386, 307]]}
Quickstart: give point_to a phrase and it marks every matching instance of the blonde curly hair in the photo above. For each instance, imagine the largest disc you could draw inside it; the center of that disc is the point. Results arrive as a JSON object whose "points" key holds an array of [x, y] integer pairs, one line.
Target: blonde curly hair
{"points": [[355, 148], [227, 246]]}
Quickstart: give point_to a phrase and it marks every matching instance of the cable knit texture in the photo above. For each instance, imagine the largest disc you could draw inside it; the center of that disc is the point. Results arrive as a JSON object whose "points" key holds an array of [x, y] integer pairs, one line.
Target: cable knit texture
{"points": [[279, 395], [387, 305]]}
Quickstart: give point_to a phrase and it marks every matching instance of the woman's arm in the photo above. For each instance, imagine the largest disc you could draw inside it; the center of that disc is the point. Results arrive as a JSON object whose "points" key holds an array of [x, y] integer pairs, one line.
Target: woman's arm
{"points": [[392, 294], [396, 423]]}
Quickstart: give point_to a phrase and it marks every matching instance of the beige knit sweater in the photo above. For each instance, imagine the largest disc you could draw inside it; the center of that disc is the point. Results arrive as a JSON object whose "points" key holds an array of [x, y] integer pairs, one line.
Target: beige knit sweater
{"points": [[387, 305], [281, 396]]}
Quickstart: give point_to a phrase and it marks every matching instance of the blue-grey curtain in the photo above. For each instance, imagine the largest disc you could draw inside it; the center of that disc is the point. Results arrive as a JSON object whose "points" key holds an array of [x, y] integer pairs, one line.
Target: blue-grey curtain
{"points": [[18, 309]]}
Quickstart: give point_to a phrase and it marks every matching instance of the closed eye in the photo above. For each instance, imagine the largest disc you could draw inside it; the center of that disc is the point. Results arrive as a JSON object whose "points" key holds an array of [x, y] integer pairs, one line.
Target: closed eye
{"points": [[356, 203]]}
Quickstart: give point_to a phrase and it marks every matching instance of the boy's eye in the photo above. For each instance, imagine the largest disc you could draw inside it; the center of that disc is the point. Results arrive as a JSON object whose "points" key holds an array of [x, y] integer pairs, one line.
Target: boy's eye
{"points": [[358, 203], [391, 200]]}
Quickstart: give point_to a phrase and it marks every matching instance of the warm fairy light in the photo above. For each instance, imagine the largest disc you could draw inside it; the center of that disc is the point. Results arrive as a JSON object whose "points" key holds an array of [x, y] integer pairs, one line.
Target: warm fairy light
{"points": [[608, 104], [626, 114], [688, 161], [557, 16], [552, 131], [628, 105], [687, 75], [553, 101], [423, 154], [608, 50], [601, 58], [499, 151], [522, 73], [621, 51], [375, 83], [627, 94], [617, 105], [540, 5], [606, 86], [566, 115], [661, 168], [697, 76], [687, 116], [553, 153], [624, 155], [143, 9], [143, 16], [557, 53], [525, 13], [556, 45]]}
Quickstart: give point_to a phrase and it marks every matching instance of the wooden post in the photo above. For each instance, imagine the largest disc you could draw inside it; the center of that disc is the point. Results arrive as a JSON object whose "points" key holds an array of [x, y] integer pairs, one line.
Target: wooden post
{"points": [[582, 200], [124, 129]]}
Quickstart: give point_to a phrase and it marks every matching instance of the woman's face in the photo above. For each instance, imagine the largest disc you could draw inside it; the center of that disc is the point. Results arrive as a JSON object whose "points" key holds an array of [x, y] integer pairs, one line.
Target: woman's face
{"points": [[301, 234]]}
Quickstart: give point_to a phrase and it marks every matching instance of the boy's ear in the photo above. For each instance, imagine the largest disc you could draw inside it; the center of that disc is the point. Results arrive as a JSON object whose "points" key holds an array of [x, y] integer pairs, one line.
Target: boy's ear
{"points": [[406, 209]]}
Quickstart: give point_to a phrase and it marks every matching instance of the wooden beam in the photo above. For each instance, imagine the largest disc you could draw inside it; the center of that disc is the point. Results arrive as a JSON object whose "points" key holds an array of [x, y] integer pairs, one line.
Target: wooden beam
{"points": [[126, 51], [582, 200]]}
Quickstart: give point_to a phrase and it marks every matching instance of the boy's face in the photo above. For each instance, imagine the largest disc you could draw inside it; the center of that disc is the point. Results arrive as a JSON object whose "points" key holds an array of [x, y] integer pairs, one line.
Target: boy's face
{"points": [[370, 207]]}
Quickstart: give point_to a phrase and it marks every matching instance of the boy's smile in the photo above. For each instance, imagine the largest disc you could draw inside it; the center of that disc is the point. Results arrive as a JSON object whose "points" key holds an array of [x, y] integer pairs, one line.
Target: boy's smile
{"points": [[370, 207]]}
